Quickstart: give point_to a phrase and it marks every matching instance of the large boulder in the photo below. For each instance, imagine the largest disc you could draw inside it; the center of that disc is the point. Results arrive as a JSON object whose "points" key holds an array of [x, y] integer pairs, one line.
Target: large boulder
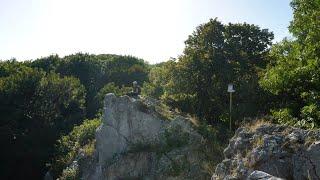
{"points": [[267, 151], [139, 139], [126, 121]]}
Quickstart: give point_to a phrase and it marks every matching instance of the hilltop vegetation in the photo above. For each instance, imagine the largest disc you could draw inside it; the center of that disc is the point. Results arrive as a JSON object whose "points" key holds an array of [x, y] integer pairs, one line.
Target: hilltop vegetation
{"points": [[282, 79], [293, 73], [42, 100], [215, 55]]}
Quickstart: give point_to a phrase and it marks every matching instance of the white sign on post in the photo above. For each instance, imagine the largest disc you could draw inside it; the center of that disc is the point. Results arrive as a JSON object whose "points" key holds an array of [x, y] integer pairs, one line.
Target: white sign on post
{"points": [[230, 88]]}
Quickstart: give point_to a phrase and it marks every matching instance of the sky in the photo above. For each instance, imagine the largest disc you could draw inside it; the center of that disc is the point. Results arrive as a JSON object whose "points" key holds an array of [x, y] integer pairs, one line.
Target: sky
{"points": [[154, 30]]}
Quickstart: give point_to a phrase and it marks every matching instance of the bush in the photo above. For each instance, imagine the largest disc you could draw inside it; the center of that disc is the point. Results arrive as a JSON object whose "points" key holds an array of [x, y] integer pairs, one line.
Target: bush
{"points": [[283, 116], [35, 109], [111, 88], [70, 173], [216, 140], [151, 90], [81, 137]]}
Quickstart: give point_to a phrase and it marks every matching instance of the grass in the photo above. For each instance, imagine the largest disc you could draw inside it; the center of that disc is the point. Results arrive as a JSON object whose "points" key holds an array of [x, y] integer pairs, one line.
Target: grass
{"points": [[89, 148], [195, 120], [143, 107], [258, 142], [255, 124], [310, 140], [164, 111], [160, 109]]}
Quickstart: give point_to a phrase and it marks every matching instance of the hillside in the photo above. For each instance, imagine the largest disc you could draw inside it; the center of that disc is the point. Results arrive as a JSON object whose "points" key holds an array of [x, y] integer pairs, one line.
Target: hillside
{"points": [[139, 139], [71, 117], [142, 139]]}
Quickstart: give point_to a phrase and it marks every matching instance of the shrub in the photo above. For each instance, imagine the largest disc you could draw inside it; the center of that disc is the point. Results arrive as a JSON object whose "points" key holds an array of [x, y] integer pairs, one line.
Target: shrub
{"points": [[81, 137], [111, 88], [70, 173], [216, 139], [283, 116]]}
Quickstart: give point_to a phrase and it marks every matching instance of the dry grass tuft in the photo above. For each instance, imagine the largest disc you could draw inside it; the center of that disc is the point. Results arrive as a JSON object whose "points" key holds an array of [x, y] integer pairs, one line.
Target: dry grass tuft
{"points": [[253, 125], [195, 121]]}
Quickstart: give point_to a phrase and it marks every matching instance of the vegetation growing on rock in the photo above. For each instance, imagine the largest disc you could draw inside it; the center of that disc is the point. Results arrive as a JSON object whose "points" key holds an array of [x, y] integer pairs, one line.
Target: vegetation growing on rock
{"points": [[279, 151], [148, 145], [43, 99], [46, 101], [80, 140]]}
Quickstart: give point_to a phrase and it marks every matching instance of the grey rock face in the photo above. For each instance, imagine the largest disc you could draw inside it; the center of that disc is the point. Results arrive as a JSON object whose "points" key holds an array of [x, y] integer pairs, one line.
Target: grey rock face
{"points": [[135, 142], [271, 152], [125, 123], [259, 175]]}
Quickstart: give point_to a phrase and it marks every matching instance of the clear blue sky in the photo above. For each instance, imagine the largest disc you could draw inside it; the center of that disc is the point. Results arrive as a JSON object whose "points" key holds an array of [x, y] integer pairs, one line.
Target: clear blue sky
{"points": [[154, 30]]}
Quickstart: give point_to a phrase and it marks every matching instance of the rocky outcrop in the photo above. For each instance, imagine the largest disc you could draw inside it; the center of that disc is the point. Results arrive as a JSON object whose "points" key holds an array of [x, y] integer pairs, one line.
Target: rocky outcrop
{"points": [[139, 140], [269, 151]]}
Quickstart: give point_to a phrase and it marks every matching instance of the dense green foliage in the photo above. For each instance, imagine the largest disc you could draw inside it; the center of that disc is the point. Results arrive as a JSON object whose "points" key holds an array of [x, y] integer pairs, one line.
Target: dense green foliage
{"points": [[95, 71], [42, 100], [81, 137], [35, 108], [283, 79], [215, 55], [293, 74], [111, 87]]}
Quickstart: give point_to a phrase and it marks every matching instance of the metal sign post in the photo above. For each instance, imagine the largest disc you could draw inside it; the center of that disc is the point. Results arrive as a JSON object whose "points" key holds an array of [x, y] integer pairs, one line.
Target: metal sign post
{"points": [[230, 90]]}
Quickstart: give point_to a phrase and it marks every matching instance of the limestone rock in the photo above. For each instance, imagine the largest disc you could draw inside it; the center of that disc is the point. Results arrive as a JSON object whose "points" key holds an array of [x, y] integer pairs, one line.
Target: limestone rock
{"points": [[135, 141], [259, 175], [270, 152], [124, 123]]}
